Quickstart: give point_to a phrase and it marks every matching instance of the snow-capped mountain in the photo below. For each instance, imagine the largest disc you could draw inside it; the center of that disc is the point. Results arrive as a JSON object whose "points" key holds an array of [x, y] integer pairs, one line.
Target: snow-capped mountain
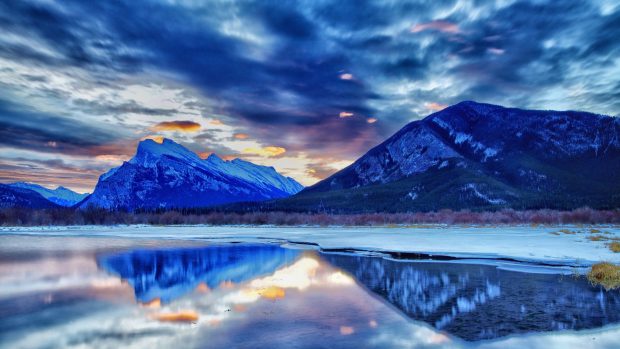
{"points": [[20, 197], [474, 155], [167, 175], [60, 196], [466, 300], [169, 274]]}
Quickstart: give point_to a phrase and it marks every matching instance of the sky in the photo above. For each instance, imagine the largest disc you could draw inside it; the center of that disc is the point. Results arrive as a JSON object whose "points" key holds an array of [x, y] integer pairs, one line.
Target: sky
{"points": [[304, 86]]}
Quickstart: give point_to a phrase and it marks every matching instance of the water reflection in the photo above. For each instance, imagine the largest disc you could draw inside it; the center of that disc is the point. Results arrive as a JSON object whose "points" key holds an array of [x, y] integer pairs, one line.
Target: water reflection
{"points": [[472, 302], [477, 302], [254, 296], [164, 275]]}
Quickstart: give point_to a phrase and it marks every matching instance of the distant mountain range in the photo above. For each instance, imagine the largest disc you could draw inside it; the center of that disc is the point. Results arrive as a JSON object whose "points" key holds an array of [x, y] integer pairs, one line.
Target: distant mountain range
{"points": [[60, 196], [467, 156], [480, 156], [167, 175], [19, 197], [32, 195]]}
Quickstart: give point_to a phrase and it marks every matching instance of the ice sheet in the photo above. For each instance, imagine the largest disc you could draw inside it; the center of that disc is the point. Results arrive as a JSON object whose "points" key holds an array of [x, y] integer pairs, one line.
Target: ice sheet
{"points": [[522, 243]]}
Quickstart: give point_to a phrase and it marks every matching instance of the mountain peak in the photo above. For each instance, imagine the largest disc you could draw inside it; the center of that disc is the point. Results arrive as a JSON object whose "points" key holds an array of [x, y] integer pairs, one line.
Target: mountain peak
{"points": [[214, 158], [169, 175], [149, 152]]}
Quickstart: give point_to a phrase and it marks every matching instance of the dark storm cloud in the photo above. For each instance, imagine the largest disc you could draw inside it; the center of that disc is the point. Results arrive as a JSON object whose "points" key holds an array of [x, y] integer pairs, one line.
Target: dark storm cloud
{"points": [[276, 67], [24, 128], [101, 108], [292, 85]]}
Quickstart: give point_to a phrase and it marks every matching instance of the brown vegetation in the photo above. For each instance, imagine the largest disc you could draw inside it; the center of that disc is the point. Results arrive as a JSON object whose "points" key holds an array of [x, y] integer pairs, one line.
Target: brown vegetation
{"points": [[606, 275], [596, 238], [615, 246], [95, 216]]}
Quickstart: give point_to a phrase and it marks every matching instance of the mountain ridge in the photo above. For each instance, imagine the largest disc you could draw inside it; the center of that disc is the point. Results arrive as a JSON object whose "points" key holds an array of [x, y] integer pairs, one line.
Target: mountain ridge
{"points": [[11, 197], [480, 156], [61, 196], [167, 175]]}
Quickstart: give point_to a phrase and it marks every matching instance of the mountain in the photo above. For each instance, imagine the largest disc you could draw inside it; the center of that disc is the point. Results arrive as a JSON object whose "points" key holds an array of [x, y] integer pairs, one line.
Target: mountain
{"points": [[60, 196], [480, 156], [167, 175], [20, 197], [169, 274], [466, 300]]}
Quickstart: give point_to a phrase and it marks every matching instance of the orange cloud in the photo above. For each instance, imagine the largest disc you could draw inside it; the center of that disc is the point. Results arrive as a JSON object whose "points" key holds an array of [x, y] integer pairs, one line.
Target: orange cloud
{"points": [[204, 154], [202, 288], [228, 157], [345, 114], [273, 293], [179, 125], [181, 316], [111, 158], [241, 136], [153, 303], [346, 330], [442, 26], [156, 138], [435, 106], [270, 151], [216, 122], [371, 120]]}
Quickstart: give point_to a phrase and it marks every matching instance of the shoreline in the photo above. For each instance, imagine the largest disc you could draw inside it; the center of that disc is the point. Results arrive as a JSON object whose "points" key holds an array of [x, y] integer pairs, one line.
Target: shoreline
{"points": [[543, 245]]}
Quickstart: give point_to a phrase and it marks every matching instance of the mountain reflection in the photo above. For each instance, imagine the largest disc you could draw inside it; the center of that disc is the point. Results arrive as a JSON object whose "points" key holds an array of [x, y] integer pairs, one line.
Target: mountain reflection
{"points": [[477, 302], [165, 275], [469, 301]]}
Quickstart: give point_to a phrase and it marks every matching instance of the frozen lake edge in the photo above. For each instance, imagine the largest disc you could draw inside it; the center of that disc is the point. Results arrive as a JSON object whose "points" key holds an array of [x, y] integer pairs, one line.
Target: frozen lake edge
{"points": [[545, 246]]}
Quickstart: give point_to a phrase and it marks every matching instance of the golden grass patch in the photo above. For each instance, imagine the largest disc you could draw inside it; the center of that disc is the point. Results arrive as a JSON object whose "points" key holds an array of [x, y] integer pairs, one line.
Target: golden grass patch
{"points": [[605, 274], [597, 238], [568, 232]]}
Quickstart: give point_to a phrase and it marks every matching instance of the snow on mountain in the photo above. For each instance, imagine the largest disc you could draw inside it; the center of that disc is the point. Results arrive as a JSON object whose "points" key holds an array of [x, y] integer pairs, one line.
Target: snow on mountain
{"points": [[475, 155], [165, 175], [179, 271], [60, 196], [261, 175], [11, 196]]}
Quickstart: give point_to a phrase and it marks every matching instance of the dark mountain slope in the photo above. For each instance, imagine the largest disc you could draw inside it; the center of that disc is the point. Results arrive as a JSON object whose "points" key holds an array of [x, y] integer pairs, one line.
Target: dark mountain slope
{"points": [[480, 156], [20, 197]]}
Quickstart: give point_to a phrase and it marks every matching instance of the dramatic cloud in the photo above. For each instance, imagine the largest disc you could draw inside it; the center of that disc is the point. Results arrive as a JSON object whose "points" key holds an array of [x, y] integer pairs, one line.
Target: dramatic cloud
{"points": [[86, 80], [435, 106], [181, 126], [269, 151]]}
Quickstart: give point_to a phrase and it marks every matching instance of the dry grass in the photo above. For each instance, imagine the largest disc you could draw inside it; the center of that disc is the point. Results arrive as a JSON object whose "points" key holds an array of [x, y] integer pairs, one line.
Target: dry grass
{"points": [[256, 214], [597, 238], [614, 246], [606, 275], [568, 232]]}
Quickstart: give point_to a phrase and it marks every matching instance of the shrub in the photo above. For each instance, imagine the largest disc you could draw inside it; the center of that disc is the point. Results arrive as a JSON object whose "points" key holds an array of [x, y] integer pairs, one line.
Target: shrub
{"points": [[606, 275]]}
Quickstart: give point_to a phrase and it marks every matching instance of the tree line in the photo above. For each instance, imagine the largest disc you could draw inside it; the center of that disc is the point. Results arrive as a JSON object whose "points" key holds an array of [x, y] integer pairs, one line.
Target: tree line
{"points": [[97, 216]]}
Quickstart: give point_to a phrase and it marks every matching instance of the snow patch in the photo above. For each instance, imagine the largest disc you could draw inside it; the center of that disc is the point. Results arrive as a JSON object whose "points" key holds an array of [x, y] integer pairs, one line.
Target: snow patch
{"points": [[473, 188]]}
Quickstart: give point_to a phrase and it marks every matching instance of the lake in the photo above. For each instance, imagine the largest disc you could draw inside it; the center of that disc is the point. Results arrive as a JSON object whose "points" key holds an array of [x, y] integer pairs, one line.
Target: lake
{"points": [[110, 292]]}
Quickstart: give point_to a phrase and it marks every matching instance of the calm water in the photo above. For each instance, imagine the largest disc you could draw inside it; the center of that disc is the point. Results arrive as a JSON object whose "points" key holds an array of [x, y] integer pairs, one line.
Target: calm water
{"points": [[105, 292]]}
